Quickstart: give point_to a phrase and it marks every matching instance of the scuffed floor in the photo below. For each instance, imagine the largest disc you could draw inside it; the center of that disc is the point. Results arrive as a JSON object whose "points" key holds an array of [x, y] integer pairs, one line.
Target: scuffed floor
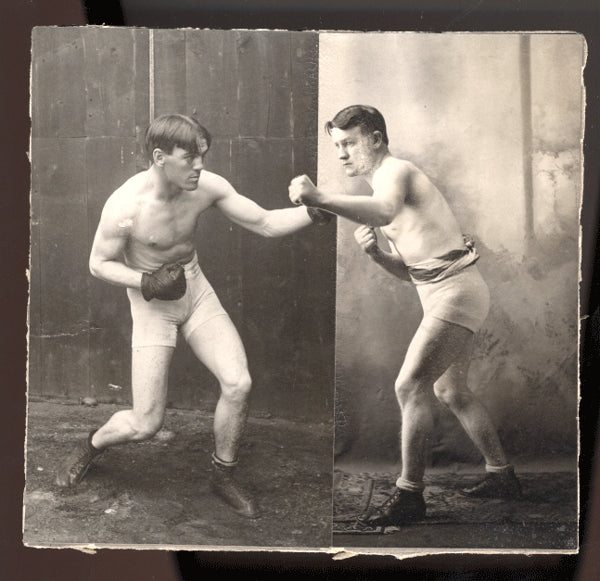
{"points": [[544, 518], [156, 493]]}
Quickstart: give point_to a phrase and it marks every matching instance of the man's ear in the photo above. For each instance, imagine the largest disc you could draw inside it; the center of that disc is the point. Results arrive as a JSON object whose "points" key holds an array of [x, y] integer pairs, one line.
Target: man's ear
{"points": [[158, 156], [377, 137]]}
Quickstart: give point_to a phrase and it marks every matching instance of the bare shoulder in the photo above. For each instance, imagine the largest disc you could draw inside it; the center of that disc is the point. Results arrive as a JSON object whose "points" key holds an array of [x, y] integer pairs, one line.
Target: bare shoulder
{"points": [[214, 186], [394, 176], [395, 168], [122, 205]]}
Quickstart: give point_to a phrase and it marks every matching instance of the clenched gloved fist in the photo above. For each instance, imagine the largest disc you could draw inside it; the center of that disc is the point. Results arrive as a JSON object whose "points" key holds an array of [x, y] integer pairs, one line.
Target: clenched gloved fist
{"points": [[167, 283]]}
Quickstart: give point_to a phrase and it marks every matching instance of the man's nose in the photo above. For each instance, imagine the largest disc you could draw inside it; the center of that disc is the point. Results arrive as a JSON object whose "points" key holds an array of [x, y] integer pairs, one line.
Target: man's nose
{"points": [[198, 164], [342, 153]]}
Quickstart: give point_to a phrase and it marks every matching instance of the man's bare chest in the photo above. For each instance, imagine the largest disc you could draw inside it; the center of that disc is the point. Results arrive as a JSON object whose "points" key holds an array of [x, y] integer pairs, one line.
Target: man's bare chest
{"points": [[164, 226]]}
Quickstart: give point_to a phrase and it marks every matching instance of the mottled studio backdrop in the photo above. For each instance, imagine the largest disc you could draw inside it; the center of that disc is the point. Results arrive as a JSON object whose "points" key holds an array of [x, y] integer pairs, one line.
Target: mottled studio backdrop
{"points": [[94, 92], [495, 120]]}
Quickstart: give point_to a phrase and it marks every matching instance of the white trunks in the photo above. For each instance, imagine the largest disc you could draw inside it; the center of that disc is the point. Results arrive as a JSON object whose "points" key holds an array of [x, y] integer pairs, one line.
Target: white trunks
{"points": [[156, 322], [462, 298]]}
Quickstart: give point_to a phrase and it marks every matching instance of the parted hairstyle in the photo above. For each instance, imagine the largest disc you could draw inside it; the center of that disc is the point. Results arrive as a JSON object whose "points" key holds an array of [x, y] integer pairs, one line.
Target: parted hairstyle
{"points": [[175, 130], [367, 118]]}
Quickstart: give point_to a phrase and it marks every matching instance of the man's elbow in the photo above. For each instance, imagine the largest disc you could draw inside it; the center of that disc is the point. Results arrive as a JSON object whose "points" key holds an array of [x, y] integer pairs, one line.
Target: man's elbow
{"points": [[382, 221], [265, 228], [385, 216], [271, 233], [94, 266]]}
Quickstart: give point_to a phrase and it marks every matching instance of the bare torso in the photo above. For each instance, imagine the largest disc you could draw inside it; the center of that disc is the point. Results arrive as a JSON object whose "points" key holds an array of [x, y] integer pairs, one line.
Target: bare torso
{"points": [[424, 226], [160, 229]]}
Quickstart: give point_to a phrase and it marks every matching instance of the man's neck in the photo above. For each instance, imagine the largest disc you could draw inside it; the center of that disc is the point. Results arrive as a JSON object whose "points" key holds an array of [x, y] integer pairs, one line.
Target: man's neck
{"points": [[377, 162], [162, 189]]}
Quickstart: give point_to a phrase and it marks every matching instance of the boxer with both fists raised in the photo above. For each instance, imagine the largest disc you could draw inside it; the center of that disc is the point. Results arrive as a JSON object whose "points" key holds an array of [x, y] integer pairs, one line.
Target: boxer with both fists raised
{"points": [[429, 250], [145, 243]]}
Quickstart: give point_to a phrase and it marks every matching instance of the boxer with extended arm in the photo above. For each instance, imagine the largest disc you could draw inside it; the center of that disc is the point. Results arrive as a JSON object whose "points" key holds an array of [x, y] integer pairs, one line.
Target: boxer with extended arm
{"points": [[428, 249], [145, 242]]}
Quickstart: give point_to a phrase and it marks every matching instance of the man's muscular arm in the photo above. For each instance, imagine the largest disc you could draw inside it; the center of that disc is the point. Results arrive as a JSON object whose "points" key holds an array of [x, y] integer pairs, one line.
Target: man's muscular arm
{"points": [[249, 215], [106, 258], [389, 189], [367, 240]]}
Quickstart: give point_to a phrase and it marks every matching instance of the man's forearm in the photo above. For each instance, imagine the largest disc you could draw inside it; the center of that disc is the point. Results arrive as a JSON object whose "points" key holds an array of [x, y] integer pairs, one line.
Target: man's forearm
{"points": [[284, 221], [362, 209], [390, 262], [117, 273]]}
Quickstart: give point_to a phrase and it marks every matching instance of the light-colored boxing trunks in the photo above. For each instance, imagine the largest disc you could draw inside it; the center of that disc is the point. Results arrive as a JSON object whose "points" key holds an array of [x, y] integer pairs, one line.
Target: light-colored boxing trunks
{"points": [[456, 292], [156, 322]]}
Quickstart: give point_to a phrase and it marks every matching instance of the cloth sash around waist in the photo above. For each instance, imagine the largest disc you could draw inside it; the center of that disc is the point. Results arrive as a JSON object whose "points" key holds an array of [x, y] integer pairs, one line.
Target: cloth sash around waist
{"points": [[442, 267]]}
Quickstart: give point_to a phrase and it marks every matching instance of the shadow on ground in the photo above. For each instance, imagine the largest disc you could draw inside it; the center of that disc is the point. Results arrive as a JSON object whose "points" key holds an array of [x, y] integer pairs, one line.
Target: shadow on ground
{"points": [[156, 492]]}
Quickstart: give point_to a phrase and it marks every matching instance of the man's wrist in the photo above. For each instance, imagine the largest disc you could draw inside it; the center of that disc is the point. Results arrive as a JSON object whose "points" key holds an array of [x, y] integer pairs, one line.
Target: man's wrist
{"points": [[319, 216], [317, 199], [374, 253]]}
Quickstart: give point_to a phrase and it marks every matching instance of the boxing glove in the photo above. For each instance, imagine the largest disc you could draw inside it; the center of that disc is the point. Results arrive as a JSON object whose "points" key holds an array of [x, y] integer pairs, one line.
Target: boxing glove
{"points": [[166, 284]]}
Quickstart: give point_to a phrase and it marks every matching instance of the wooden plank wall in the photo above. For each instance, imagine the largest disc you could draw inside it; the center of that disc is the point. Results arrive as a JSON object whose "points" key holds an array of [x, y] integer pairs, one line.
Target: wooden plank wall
{"points": [[91, 102]]}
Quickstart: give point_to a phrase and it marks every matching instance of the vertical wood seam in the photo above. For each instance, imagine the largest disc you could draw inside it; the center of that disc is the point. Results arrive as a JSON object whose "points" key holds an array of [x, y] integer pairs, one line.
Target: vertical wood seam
{"points": [[151, 76]]}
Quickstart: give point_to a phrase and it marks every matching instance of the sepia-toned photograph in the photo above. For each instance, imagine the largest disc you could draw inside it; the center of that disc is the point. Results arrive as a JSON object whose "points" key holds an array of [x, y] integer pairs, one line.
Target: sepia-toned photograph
{"points": [[180, 387], [304, 290], [458, 162]]}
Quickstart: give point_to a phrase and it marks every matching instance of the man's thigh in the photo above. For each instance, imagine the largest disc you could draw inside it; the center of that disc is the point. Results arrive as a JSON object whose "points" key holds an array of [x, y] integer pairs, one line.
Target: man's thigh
{"points": [[149, 378], [218, 345], [155, 322], [462, 299], [436, 345]]}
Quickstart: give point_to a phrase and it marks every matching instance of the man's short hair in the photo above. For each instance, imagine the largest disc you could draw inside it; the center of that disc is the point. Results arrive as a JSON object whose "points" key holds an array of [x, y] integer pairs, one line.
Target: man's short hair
{"points": [[174, 130], [367, 118]]}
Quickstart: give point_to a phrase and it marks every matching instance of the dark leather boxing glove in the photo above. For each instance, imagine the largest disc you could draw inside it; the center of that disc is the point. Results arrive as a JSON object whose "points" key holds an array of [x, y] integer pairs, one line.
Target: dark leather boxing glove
{"points": [[167, 283], [318, 216]]}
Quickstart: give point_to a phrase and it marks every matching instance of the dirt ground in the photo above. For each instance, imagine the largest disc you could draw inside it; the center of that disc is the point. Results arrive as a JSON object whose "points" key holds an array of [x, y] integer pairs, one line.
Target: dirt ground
{"points": [[156, 492], [545, 518]]}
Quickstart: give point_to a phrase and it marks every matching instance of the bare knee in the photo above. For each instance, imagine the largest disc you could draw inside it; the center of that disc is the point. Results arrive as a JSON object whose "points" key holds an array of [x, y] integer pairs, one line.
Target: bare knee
{"points": [[455, 397], [146, 427], [236, 387], [411, 390]]}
